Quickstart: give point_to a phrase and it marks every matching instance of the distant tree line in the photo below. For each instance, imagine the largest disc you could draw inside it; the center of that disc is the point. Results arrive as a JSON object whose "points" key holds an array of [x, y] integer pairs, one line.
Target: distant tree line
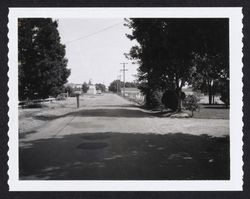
{"points": [[85, 86], [117, 85], [42, 66], [175, 52]]}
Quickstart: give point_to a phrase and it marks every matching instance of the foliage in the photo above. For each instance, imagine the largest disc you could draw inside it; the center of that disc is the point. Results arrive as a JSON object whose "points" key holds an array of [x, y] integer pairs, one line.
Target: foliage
{"points": [[100, 87], [208, 71], [115, 86], [41, 58], [191, 103], [68, 89], [169, 99], [224, 91], [153, 100], [131, 84], [167, 48], [85, 87]]}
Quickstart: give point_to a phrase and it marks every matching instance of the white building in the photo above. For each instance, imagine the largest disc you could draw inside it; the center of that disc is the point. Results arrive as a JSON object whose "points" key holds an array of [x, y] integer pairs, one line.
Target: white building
{"points": [[92, 89], [134, 93]]}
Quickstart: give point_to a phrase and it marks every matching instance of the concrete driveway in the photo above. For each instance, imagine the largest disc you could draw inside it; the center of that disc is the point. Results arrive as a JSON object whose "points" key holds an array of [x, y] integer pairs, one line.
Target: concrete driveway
{"points": [[111, 138]]}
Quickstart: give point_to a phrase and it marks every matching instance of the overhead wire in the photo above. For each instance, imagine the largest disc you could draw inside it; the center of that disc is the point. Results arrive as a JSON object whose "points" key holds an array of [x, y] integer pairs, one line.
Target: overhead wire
{"points": [[94, 33]]}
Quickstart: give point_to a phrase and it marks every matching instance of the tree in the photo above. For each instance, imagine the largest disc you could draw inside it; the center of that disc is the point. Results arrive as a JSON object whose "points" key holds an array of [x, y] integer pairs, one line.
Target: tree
{"points": [[167, 48], [131, 84], [211, 59], [115, 86], [164, 54], [100, 87], [85, 87], [209, 71], [68, 89], [42, 66]]}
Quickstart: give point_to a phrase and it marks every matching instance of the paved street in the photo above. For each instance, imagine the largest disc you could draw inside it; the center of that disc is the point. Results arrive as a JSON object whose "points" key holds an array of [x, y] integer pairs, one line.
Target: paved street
{"points": [[109, 137]]}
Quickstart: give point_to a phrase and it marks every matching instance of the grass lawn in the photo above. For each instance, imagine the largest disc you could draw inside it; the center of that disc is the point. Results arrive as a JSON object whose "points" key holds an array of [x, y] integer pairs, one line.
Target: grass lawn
{"points": [[217, 111]]}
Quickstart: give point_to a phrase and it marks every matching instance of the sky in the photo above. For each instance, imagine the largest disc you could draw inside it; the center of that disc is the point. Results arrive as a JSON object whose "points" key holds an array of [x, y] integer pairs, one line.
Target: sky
{"points": [[95, 49]]}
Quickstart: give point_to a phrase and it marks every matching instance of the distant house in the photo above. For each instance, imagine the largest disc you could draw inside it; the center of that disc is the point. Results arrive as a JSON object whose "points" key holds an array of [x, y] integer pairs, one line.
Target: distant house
{"points": [[132, 93], [92, 89]]}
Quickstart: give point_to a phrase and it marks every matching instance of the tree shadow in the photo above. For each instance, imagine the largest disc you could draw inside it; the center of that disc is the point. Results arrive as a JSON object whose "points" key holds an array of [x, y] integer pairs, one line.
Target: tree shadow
{"points": [[117, 106], [216, 107], [99, 112], [126, 156], [25, 134]]}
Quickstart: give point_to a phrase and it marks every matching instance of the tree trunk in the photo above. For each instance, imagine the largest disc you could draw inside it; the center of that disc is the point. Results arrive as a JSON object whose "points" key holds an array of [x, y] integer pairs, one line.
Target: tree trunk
{"points": [[179, 100], [209, 94]]}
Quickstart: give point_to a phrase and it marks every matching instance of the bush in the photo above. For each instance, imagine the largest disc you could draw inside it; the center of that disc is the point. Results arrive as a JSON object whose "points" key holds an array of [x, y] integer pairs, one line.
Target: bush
{"points": [[153, 99], [191, 103], [170, 100]]}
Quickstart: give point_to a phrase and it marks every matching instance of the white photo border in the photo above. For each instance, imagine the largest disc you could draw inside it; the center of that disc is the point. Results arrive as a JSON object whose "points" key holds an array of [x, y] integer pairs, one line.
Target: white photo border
{"points": [[236, 125]]}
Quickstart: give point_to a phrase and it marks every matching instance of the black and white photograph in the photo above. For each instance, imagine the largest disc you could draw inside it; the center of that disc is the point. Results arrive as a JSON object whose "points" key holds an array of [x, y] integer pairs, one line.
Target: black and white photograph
{"points": [[127, 98]]}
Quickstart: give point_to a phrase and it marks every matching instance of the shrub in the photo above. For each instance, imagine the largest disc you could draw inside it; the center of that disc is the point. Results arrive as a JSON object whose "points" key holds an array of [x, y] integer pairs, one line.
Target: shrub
{"points": [[153, 99], [170, 100], [191, 103]]}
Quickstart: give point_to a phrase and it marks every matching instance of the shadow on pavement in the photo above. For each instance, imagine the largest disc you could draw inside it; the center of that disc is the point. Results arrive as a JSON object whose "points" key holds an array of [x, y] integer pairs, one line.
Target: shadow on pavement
{"points": [[25, 134], [126, 156], [100, 112]]}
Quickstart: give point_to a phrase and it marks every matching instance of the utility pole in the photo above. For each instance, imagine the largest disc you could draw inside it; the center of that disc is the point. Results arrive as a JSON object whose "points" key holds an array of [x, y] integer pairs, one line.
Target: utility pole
{"points": [[124, 70], [117, 83]]}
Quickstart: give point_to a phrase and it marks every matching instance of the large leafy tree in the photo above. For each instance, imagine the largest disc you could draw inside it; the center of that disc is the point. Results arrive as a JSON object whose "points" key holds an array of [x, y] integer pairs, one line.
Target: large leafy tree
{"points": [[166, 50], [85, 87], [41, 57], [100, 87], [115, 86], [211, 57], [208, 75], [164, 54]]}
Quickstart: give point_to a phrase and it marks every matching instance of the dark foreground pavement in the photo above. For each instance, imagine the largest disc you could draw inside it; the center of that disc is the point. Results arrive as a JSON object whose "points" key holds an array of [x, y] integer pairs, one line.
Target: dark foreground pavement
{"points": [[121, 156]]}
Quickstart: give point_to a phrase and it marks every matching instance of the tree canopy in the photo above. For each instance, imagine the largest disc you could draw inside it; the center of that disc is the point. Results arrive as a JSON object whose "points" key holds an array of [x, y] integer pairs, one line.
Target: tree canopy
{"points": [[167, 48], [100, 87], [85, 87], [42, 66], [115, 86]]}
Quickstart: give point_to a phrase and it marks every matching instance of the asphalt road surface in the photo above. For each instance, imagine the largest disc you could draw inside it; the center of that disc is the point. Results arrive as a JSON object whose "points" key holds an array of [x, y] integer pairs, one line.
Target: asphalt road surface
{"points": [[110, 138]]}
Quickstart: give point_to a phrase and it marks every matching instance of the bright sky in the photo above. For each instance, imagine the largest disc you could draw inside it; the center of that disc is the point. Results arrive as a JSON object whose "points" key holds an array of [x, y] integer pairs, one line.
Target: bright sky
{"points": [[95, 48]]}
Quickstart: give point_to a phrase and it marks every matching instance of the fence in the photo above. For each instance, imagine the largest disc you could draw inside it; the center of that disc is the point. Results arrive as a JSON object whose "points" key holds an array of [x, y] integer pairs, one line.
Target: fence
{"points": [[26, 103]]}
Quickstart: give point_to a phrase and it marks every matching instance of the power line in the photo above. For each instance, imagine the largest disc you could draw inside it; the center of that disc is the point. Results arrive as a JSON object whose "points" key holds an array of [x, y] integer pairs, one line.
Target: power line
{"points": [[94, 33]]}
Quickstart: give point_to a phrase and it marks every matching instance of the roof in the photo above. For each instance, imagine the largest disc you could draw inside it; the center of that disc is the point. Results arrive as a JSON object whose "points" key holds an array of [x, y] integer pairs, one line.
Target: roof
{"points": [[131, 89], [73, 85]]}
